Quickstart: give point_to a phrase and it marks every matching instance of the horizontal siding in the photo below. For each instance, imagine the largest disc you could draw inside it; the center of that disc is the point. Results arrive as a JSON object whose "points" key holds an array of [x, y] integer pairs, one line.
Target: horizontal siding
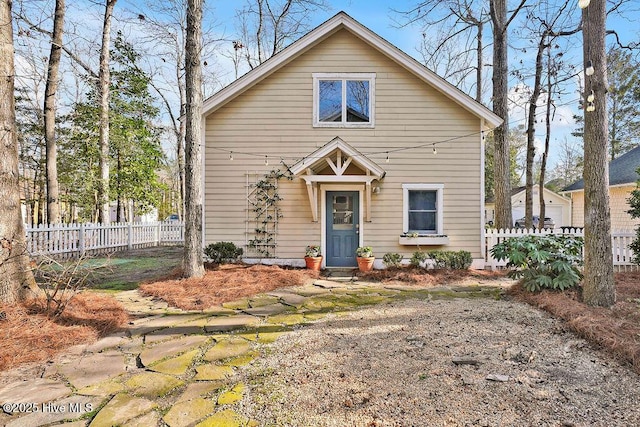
{"points": [[275, 118]]}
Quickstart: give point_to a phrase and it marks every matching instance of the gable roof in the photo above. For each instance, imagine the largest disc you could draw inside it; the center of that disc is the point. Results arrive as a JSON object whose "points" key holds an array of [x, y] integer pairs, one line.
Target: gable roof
{"points": [[517, 190], [622, 170], [323, 31], [320, 156]]}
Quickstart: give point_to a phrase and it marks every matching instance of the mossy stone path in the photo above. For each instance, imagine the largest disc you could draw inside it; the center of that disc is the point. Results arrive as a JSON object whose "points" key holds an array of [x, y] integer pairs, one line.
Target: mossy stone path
{"points": [[180, 368]]}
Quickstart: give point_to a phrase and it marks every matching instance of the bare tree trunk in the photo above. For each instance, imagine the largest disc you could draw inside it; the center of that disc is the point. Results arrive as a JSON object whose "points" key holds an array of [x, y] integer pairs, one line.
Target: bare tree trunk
{"points": [[104, 79], [479, 60], [192, 262], [547, 140], [180, 149], [53, 202], [502, 181], [531, 135], [599, 286], [16, 279]]}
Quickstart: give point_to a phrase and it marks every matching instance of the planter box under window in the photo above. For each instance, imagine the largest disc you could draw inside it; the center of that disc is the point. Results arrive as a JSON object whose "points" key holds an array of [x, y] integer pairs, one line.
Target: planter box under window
{"points": [[425, 240]]}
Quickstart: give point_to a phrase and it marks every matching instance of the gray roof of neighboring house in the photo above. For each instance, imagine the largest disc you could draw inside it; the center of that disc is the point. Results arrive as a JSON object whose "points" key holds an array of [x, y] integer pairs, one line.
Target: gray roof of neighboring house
{"points": [[622, 170]]}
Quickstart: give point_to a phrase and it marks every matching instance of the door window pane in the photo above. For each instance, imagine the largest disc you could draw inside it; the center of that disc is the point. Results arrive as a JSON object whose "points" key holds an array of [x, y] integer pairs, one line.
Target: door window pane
{"points": [[342, 212]]}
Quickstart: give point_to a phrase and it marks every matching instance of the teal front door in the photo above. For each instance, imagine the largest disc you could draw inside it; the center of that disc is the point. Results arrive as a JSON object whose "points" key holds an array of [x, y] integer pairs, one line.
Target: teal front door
{"points": [[343, 227]]}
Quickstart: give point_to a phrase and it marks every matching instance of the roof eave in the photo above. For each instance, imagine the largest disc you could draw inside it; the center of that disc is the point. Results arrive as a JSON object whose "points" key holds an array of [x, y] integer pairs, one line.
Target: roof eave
{"points": [[342, 20]]}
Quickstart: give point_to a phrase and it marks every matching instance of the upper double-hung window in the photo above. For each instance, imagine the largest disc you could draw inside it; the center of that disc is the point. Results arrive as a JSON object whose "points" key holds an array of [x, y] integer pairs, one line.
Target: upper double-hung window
{"points": [[343, 100]]}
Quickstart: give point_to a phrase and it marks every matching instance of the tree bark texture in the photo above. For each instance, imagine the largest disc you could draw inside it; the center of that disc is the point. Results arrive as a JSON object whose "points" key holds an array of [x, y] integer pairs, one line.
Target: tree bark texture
{"points": [[104, 78], [599, 286], [53, 198], [502, 182], [16, 279], [192, 261]]}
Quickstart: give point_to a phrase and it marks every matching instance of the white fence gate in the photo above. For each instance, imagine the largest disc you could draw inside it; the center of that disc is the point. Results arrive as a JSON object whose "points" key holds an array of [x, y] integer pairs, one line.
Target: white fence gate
{"points": [[80, 239], [622, 253]]}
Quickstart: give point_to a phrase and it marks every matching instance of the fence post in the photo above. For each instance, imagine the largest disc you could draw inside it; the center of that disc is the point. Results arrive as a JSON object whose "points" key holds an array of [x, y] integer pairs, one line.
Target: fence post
{"points": [[158, 224], [81, 239], [129, 236]]}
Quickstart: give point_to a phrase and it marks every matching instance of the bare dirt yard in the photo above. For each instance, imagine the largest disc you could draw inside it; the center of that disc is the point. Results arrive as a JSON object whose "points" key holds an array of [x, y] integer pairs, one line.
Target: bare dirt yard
{"points": [[458, 362]]}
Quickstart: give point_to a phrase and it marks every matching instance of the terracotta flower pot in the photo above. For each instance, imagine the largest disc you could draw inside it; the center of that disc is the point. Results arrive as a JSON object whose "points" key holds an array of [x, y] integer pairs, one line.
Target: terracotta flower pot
{"points": [[313, 262], [365, 264]]}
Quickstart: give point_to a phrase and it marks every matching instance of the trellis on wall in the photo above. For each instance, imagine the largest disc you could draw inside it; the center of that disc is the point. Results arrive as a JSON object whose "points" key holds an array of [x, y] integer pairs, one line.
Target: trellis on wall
{"points": [[263, 212]]}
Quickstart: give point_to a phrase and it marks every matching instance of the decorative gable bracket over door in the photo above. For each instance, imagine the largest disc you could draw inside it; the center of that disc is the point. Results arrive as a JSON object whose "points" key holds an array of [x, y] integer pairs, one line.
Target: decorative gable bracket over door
{"points": [[337, 163]]}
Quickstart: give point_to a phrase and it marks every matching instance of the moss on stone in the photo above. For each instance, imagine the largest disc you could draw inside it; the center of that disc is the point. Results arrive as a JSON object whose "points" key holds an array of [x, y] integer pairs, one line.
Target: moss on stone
{"points": [[225, 418], [152, 384], [225, 349], [187, 412], [177, 365], [231, 396], [212, 372]]}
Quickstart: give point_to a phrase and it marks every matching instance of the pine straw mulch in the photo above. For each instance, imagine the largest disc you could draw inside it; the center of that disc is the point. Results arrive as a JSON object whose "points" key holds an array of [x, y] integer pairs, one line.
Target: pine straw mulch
{"points": [[27, 335], [226, 283], [430, 277], [615, 329]]}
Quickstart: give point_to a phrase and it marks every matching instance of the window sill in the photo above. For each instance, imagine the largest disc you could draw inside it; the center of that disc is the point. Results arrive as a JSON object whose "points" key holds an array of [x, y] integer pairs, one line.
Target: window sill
{"points": [[426, 240]]}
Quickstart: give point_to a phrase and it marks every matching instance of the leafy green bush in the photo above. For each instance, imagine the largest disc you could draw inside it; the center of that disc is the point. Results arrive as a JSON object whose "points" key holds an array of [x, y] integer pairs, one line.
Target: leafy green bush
{"points": [[221, 252], [543, 262], [451, 260], [392, 260], [418, 258]]}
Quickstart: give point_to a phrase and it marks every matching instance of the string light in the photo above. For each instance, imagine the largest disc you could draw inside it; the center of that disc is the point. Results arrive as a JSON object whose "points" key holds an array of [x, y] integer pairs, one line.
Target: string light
{"points": [[591, 97], [387, 159], [482, 134], [591, 107], [231, 155], [583, 3], [266, 161], [589, 70], [434, 150]]}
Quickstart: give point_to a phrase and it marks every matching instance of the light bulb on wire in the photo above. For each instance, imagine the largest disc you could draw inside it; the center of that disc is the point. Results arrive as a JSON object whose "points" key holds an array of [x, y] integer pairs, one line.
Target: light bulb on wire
{"points": [[588, 69], [582, 4], [231, 155], [591, 97], [591, 107], [387, 159], [266, 161], [434, 150]]}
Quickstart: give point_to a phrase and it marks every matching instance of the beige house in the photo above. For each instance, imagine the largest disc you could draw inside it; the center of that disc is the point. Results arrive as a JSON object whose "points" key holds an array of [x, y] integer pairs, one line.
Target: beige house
{"points": [[557, 207], [342, 140], [623, 179]]}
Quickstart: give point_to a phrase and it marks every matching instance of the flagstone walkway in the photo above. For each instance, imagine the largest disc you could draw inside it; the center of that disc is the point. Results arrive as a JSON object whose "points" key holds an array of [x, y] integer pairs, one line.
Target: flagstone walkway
{"points": [[179, 367]]}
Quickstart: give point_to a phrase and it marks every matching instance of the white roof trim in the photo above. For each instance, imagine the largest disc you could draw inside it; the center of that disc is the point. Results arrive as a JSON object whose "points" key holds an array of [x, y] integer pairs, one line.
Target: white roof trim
{"points": [[338, 144], [342, 20]]}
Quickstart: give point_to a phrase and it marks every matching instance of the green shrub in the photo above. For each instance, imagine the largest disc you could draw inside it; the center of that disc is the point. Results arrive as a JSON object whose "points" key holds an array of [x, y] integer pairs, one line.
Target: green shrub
{"points": [[392, 260], [543, 262], [451, 260], [222, 252], [418, 258]]}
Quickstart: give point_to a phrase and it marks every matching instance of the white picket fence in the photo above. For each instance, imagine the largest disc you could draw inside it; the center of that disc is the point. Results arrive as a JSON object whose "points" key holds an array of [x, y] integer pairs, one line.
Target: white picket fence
{"points": [[80, 239], [620, 241]]}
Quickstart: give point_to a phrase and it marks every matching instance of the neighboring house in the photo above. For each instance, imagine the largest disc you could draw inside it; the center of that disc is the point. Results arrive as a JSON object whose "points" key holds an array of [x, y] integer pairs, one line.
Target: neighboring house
{"points": [[623, 178], [357, 123], [557, 207]]}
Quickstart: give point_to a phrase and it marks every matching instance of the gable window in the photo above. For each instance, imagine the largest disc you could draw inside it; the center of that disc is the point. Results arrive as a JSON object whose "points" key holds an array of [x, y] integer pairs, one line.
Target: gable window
{"points": [[343, 100], [422, 208]]}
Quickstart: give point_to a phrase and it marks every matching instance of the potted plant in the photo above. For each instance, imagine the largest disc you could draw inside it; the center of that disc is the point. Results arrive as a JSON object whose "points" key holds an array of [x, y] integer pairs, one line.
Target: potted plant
{"points": [[365, 258], [313, 257]]}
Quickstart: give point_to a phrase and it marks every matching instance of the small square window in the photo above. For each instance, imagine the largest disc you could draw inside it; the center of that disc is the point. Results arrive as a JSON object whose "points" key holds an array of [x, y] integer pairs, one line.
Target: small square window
{"points": [[343, 100], [423, 213]]}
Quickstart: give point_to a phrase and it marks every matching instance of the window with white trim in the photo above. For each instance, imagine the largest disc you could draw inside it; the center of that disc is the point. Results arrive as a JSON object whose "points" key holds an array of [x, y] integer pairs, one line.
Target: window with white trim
{"points": [[343, 100], [422, 208]]}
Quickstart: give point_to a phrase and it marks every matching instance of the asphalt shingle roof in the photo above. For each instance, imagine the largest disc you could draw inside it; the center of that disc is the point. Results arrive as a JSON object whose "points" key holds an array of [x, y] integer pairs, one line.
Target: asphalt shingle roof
{"points": [[622, 170]]}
